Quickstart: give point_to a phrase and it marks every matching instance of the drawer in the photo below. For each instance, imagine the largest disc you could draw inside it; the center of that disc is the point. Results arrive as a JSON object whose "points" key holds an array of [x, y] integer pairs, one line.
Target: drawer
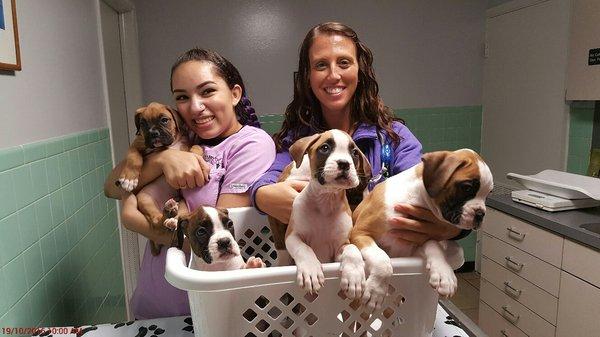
{"points": [[495, 325], [582, 261], [515, 313], [526, 293], [534, 270], [534, 240]]}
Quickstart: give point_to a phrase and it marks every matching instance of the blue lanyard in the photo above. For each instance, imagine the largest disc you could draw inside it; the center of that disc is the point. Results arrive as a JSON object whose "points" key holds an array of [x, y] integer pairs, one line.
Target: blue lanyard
{"points": [[386, 161]]}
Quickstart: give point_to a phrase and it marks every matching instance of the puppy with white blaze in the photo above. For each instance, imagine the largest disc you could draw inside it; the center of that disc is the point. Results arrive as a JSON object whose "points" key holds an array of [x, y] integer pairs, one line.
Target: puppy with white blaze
{"points": [[321, 220], [453, 186], [211, 236]]}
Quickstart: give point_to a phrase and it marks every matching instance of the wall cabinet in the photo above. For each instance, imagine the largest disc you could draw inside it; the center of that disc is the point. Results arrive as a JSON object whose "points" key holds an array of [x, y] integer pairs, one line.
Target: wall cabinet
{"points": [[583, 78], [536, 283]]}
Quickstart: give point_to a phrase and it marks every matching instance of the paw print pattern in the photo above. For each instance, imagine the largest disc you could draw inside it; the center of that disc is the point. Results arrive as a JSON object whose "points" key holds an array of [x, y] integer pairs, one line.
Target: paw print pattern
{"points": [[189, 327]]}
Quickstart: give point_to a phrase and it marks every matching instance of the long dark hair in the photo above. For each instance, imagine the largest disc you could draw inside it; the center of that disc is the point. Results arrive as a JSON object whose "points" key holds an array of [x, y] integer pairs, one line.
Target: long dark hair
{"points": [[228, 72], [304, 112]]}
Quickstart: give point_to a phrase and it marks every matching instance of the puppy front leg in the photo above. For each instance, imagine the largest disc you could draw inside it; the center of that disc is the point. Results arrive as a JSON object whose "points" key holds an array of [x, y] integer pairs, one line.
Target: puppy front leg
{"points": [[128, 180], [310, 271], [379, 267], [352, 266], [441, 275]]}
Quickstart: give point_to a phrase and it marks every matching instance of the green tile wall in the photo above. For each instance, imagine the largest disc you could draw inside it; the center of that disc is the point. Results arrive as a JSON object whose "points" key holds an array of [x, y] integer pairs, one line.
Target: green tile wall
{"points": [[445, 128], [60, 260], [580, 137], [440, 128]]}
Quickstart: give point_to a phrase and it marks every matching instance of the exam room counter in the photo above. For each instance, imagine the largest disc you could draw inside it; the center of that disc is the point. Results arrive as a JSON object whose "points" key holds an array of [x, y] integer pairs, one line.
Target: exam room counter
{"points": [[564, 223], [540, 270]]}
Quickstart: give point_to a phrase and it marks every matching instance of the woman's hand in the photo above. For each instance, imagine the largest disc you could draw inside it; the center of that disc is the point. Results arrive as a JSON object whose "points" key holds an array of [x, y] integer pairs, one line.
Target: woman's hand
{"points": [[277, 199], [183, 169], [419, 225], [135, 221]]}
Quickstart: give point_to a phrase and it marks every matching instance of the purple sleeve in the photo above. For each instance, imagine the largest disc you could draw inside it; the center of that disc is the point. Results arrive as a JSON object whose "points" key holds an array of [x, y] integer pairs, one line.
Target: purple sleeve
{"points": [[282, 159], [247, 162], [408, 153]]}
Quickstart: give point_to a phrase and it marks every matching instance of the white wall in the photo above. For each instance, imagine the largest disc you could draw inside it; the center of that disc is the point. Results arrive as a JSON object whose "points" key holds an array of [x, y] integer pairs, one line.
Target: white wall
{"points": [[427, 53], [59, 91]]}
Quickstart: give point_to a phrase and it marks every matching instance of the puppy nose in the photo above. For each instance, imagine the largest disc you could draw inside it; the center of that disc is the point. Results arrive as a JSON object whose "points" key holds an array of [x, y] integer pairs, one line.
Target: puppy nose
{"points": [[223, 243], [479, 214], [153, 132], [343, 165]]}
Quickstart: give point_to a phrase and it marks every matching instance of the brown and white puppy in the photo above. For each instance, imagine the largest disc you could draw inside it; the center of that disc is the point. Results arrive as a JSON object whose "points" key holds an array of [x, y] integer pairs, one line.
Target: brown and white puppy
{"points": [[210, 232], [158, 127], [453, 185], [321, 221]]}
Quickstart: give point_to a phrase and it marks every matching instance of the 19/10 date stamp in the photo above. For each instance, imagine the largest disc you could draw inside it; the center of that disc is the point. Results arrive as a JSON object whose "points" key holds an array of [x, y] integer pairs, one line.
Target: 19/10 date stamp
{"points": [[36, 331]]}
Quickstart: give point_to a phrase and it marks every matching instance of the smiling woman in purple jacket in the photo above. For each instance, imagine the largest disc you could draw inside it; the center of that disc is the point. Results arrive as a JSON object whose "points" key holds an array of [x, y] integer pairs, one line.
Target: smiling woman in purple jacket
{"points": [[335, 88]]}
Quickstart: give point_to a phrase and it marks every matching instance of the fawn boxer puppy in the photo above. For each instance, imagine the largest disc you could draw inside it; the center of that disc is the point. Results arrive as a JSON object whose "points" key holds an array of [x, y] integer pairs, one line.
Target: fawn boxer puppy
{"points": [[158, 127], [321, 220], [453, 185], [211, 236]]}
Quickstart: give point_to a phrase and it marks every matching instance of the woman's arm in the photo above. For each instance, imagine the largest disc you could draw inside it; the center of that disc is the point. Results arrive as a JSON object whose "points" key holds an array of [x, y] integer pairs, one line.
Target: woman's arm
{"points": [[181, 169], [276, 199], [135, 221]]}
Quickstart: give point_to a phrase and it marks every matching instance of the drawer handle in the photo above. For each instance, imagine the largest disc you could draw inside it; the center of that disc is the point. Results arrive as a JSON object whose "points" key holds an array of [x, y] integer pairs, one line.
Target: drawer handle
{"points": [[503, 332], [513, 264], [514, 234], [511, 291], [509, 315]]}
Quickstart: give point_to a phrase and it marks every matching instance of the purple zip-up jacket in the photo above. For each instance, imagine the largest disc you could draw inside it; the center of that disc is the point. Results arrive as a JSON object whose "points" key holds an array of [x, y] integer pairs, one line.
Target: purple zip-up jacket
{"points": [[405, 155]]}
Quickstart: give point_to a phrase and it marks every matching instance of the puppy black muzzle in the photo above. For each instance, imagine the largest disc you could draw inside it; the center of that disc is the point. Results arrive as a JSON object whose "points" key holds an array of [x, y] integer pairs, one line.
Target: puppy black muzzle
{"points": [[478, 218]]}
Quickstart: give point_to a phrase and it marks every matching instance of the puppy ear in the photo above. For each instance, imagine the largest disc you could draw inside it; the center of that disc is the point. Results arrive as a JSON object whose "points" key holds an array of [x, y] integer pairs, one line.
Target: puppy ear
{"points": [[364, 167], [138, 118], [299, 148], [438, 167], [177, 238], [176, 118]]}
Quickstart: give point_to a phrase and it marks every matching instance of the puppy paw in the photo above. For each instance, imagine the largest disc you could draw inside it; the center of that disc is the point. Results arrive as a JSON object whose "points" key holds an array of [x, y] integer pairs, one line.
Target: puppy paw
{"points": [[127, 184], [128, 179], [254, 262], [171, 208], [352, 279], [375, 292], [170, 223], [442, 278], [310, 277]]}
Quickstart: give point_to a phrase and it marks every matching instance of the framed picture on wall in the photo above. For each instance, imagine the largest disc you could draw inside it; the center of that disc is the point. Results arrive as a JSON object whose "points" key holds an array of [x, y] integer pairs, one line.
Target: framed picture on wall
{"points": [[10, 57]]}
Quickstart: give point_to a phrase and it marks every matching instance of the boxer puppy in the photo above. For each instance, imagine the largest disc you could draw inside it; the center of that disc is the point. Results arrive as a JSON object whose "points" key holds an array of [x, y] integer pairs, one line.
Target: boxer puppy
{"points": [[453, 185], [211, 236], [321, 220], [158, 127]]}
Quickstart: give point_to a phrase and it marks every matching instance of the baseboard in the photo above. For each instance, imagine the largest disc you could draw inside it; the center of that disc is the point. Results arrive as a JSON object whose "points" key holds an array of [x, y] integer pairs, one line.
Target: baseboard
{"points": [[467, 267]]}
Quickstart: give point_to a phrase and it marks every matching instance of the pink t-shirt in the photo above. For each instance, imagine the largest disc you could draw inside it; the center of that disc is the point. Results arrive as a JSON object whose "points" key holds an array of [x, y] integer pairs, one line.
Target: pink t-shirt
{"points": [[236, 162]]}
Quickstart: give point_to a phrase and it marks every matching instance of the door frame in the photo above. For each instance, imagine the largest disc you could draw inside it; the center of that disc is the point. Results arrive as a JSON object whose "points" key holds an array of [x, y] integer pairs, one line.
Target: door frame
{"points": [[130, 248]]}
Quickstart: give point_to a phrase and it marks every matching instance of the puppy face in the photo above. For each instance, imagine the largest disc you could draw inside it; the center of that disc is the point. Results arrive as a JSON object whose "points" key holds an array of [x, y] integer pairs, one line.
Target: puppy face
{"points": [[334, 159], [210, 232], [458, 182], [158, 124]]}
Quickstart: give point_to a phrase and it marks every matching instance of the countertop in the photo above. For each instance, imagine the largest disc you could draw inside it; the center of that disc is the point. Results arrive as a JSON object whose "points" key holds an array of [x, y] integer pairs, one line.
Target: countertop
{"points": [[564, 223]]}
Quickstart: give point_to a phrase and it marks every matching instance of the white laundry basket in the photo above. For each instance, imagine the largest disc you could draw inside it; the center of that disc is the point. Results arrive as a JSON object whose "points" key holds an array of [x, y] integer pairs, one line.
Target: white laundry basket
{"points": [[268, 302]]}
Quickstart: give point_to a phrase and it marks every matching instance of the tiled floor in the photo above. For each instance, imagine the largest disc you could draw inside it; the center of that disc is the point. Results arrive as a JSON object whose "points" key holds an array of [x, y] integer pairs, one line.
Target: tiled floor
{"points": [[467, 296]]}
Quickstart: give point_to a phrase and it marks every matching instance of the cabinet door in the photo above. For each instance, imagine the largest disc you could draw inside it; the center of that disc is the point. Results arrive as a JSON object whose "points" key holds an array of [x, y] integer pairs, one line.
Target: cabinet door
{"points": [[578, 308], [524, 111], [583, 80]]}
